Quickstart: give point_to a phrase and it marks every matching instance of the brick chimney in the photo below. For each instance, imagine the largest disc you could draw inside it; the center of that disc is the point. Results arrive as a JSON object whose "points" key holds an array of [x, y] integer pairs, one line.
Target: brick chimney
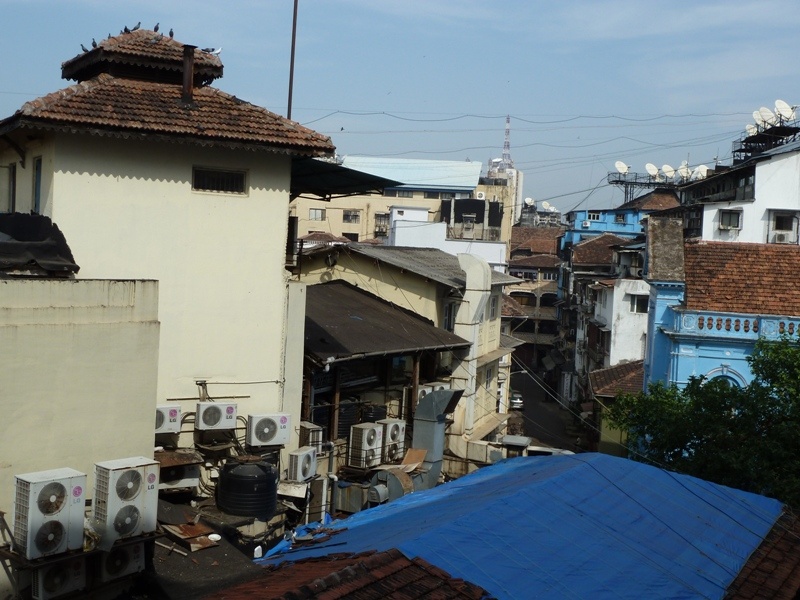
{"points": [[188, 73]]}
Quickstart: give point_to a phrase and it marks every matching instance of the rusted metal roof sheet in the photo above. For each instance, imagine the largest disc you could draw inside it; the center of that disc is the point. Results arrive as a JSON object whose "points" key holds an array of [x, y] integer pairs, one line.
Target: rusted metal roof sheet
{"points": [[344, 322]]}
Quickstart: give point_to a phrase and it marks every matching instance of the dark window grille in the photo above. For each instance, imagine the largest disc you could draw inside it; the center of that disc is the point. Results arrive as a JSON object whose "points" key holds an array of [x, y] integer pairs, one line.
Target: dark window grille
{"points": [[214, 180]]}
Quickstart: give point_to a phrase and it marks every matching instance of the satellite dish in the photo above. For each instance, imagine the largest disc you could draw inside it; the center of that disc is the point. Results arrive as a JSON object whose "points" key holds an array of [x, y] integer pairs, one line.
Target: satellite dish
{"points": [[751, 129], [767, 115], [528, 201], [758, 118], [699, 173], [668, 171], [784, 110], [546, 205], [553, 209], [684, 171], [651, 169], [621, 167]]}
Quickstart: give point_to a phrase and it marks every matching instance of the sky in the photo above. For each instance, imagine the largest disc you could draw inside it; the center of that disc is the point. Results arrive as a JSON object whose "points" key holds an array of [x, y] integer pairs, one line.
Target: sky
{"points": [[585, 83]]}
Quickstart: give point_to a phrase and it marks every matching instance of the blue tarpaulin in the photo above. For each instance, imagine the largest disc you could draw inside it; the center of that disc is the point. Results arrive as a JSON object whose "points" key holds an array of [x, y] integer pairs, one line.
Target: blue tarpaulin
{"points": [[573, 526]]}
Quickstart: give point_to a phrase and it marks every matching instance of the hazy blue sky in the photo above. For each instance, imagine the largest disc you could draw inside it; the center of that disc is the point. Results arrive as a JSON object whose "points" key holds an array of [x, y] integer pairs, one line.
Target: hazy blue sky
{"points": [[585, 82]]}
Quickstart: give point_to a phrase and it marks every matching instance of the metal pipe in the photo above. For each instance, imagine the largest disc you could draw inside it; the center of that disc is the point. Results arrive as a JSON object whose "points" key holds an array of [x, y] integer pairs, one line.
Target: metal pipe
{"points": [[291, 61], [188, 73]]}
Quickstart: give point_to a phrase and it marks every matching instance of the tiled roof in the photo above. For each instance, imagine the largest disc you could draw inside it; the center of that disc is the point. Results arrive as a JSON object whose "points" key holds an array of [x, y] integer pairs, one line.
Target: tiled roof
{"points": [[128, 107], [742, 278], [142, 48], [537, 240], [597, 250], [366, 576], [656, 200], [323, 237], [547, 261], [773, 570], [627, 378], [512, 308]]}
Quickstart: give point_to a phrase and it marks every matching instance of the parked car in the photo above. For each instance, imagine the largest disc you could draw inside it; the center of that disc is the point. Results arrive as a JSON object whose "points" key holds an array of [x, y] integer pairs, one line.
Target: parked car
{"points": [[516, 403]]}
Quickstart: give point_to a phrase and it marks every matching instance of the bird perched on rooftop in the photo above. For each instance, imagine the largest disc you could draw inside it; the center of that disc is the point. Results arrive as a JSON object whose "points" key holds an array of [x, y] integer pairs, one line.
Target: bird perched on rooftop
{"points": [[84, 48], [125, 29], [135, 27], [216, 52], [170, 33], [94, 43], [155, 29], [209, 50]]}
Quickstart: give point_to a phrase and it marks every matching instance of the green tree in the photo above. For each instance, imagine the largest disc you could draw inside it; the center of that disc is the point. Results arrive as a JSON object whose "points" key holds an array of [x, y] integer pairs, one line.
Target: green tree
{"points": [[747, 438]]}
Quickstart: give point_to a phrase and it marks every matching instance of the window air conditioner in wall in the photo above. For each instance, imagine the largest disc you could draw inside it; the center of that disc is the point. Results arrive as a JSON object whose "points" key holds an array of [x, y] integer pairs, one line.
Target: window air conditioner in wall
{"points": [[302, 464], [48, 512], [586, 224], [215, 415], [168, 418], [126, 496], [366, 444], [269, 430]]}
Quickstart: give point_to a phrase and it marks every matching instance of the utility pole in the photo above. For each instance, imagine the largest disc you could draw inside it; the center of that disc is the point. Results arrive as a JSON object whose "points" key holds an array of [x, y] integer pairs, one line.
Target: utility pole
{"points": [[291, 61]]}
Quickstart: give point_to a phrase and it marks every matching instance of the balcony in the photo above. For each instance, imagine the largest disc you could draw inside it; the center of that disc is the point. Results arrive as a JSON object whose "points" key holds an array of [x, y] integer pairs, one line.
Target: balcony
{"points": [[732, 326]]}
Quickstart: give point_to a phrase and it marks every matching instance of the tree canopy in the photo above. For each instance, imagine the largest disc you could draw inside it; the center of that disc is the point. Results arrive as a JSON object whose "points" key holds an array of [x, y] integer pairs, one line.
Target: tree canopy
{"points": [[742, 437]]}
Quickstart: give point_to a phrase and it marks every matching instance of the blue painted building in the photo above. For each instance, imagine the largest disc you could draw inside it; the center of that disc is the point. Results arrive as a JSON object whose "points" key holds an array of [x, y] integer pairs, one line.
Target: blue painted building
{"points": [[711, 301], [624, 221]]}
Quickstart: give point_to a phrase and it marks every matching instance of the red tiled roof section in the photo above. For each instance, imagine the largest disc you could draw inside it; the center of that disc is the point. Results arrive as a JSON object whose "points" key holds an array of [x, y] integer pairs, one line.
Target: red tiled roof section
{"points": [[512, 308], [773, 570], [536, 240], [547, 261], [323, 236], [597, 250], [367, 576], [655, 200], [142, 47], [742, 277], [126, 106], [627, 378]]}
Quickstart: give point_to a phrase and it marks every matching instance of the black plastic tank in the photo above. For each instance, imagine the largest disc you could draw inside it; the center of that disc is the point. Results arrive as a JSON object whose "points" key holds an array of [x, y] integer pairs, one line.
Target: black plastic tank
{"points": [[373, 413], [248, 487]]}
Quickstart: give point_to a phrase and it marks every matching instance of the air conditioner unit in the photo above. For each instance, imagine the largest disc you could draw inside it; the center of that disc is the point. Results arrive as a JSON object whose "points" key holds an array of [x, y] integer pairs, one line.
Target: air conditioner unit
{"points": [[48, 512], [440, 385], [481, 196], [586, 224], [126, 496], [59, 578], [783, 238], [312, 435], [168, 418], [394, 439], [215, 415], [122, 561], [179, 477], [269, 430], [302, 464], [638, 272], [423, 390], [366, 443]]}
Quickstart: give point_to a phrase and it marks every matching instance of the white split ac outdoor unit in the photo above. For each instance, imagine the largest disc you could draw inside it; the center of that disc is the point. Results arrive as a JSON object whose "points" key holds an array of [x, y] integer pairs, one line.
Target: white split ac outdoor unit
{"points": [[126, 496], [586, 224], [121, 561], [48, 512], [215, 415], [179, 477], [366, 444], [59, 578], [302, 464], [394, 439], [168, 418], [269, 430], [311, 434], [480, 196]]}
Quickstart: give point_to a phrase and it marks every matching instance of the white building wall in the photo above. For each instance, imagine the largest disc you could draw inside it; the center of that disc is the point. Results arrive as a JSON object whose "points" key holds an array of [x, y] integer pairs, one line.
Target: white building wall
{"points": [[629, 329], [78, 382], [128, 210]]}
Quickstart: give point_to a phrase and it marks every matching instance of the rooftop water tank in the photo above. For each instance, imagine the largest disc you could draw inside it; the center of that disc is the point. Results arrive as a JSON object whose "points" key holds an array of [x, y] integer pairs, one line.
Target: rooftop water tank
{"points": [[248, 487]]}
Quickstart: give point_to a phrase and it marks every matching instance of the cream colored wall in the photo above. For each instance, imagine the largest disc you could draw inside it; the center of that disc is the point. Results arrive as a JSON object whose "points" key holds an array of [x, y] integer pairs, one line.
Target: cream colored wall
{"points": [[367, 204], [79, 374], [408, 290], [128, 210]]}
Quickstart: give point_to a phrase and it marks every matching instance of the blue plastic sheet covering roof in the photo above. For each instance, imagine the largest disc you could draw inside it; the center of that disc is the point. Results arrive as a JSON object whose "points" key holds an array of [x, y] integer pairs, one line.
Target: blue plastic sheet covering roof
{"points": [[574, 526]]}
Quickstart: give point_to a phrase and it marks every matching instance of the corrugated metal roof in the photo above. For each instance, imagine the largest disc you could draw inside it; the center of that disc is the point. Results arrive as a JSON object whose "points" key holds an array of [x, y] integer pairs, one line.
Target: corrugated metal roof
{"points": [[575, 526], [431, 263], [420, 174], [344, 322]]}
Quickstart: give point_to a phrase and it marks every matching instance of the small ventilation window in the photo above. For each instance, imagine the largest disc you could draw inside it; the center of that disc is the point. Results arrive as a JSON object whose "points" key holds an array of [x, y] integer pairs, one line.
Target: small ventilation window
{"points": [[217, 180]]}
